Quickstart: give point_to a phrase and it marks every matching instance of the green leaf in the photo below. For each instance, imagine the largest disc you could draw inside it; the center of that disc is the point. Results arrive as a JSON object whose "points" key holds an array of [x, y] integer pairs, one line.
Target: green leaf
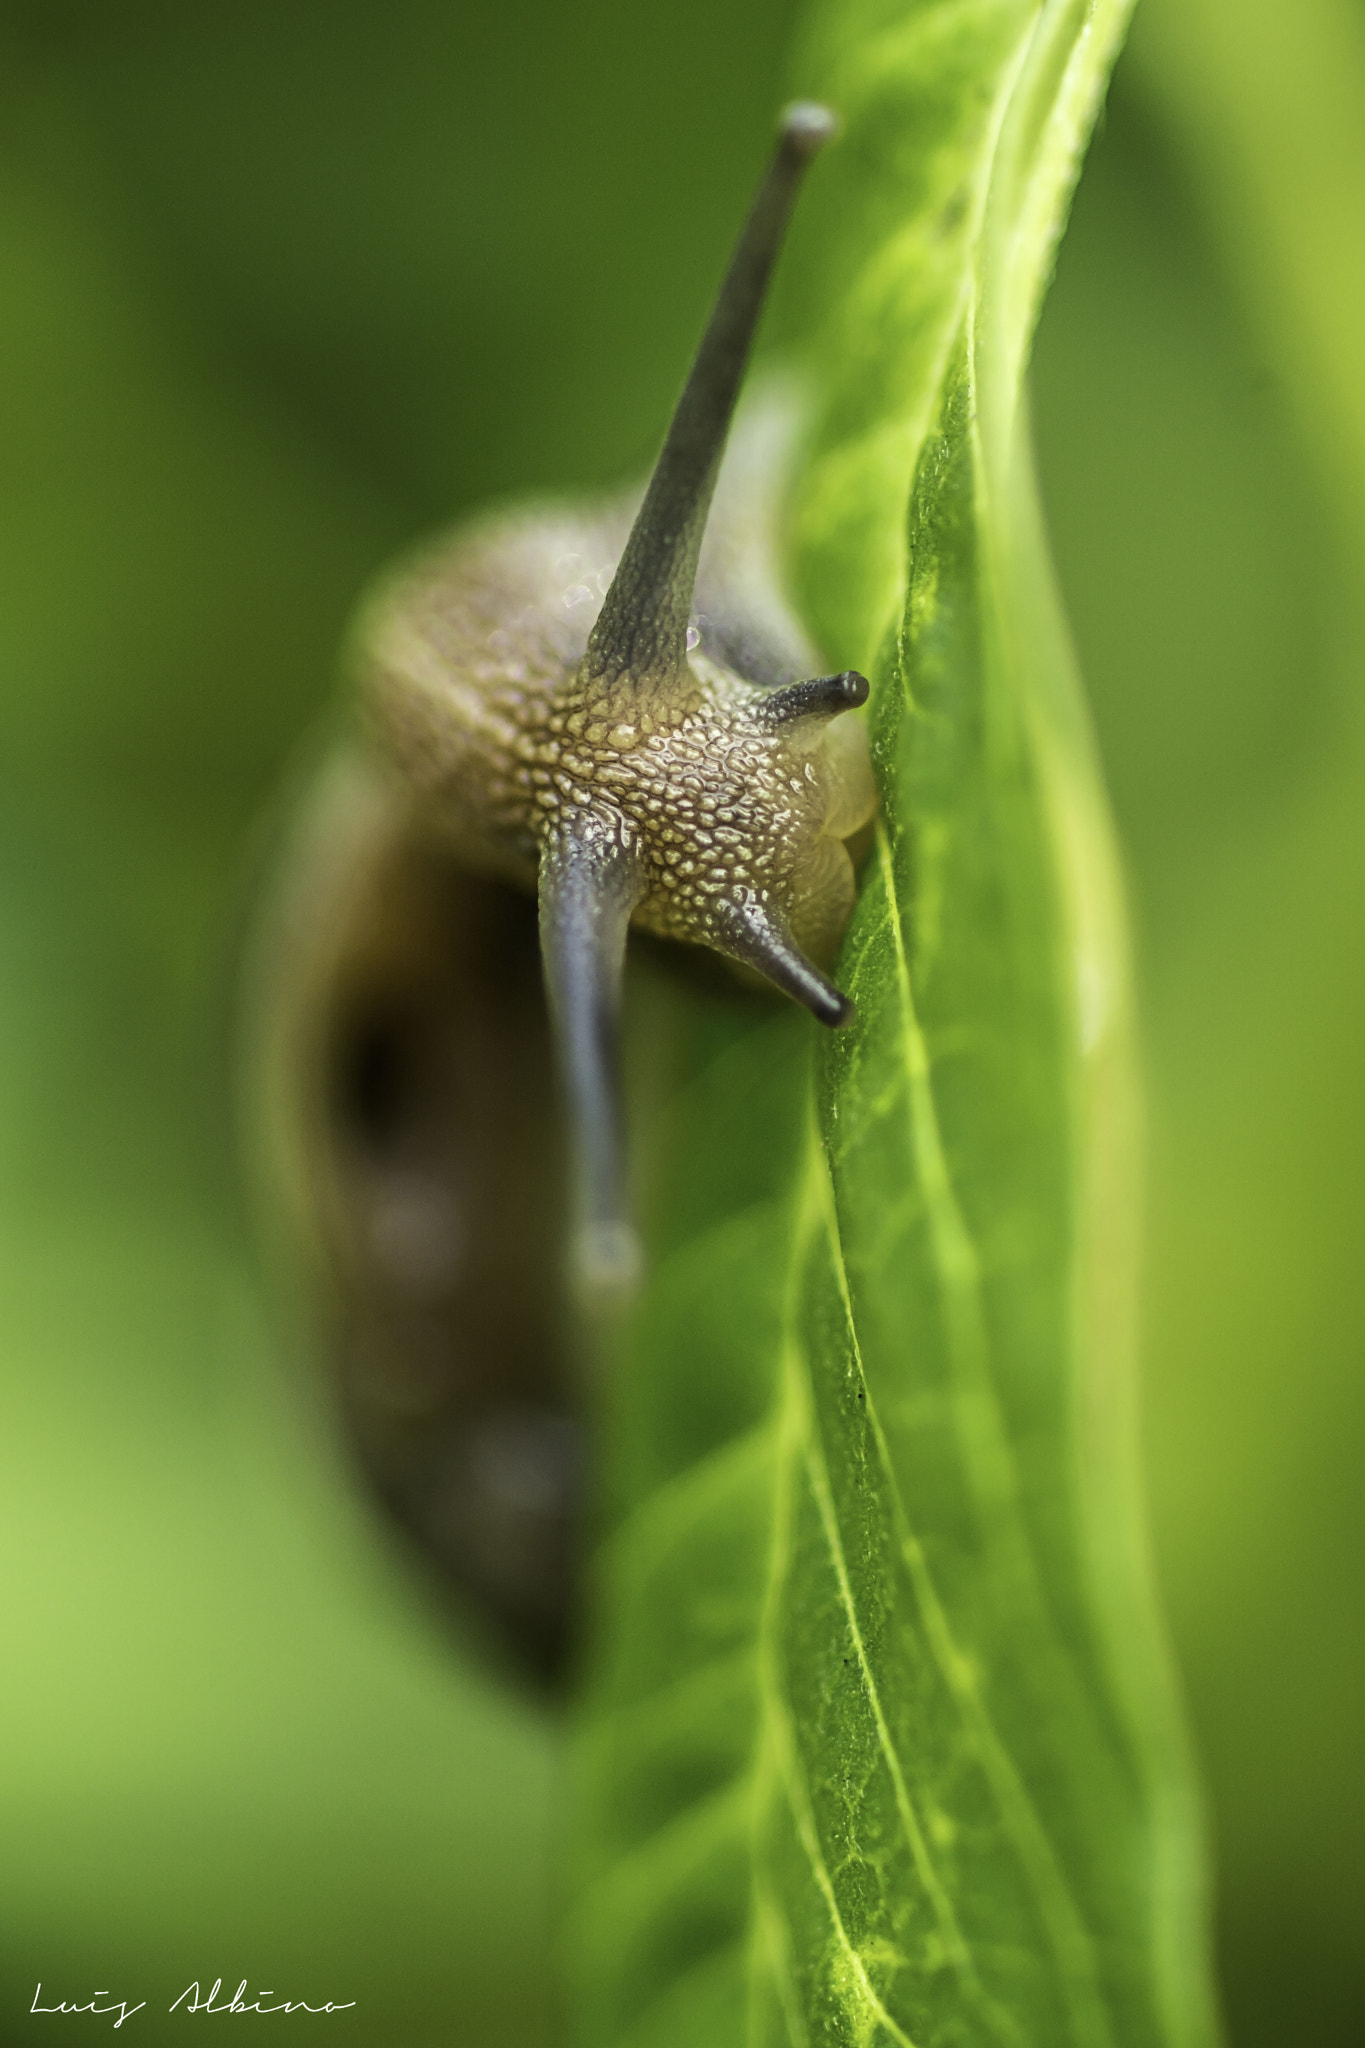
{"points": [[878, 1743]]}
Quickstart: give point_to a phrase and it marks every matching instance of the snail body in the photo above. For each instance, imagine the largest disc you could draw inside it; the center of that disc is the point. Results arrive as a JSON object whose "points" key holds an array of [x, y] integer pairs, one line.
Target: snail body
{"points": [[576, 721]]}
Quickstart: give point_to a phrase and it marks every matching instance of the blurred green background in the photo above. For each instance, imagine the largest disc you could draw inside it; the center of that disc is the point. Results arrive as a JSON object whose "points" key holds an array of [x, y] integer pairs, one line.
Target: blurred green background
{"points": [[284, 282]]}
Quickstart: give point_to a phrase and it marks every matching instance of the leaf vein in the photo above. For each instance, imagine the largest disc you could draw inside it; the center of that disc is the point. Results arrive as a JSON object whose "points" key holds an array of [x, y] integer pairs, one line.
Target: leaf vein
{"points": [[955, 1944], [1071, 1941], [776, 1751]]}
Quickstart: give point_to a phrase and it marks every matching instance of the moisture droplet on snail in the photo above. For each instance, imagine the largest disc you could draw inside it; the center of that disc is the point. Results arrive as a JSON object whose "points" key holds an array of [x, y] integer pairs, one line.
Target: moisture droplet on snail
{"points": [[622, 724]]}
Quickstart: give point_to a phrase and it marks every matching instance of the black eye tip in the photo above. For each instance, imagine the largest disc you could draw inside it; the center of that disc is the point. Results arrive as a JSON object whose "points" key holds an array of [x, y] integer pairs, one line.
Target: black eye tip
{"points": [[829, 1005], [820, 697], [841, 1012]]}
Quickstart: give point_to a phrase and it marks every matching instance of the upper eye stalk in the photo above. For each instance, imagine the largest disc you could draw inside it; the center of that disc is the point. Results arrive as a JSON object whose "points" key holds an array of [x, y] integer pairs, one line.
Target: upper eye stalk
{"points": [[642, 630]]}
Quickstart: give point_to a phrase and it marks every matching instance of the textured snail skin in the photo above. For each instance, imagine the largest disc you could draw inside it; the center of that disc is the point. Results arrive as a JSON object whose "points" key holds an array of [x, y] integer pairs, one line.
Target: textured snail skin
{"points": [[722, 813]]}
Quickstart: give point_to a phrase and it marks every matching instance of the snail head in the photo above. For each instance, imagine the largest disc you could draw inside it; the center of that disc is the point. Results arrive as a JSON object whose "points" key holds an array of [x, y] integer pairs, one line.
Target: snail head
{"points": [[632, 773]]}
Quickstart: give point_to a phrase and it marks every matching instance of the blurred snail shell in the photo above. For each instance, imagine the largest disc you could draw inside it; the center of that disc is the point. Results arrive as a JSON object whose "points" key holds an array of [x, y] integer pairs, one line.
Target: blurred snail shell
{"points": [[570, 721]]}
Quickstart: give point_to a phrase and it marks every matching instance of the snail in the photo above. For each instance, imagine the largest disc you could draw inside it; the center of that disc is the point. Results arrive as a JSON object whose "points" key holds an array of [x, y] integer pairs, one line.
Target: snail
{"points": [[569, 722]]}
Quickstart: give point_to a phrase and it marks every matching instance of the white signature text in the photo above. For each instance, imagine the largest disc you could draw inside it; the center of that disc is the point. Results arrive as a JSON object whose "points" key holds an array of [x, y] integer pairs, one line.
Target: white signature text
{"points": [[197, 2002]]}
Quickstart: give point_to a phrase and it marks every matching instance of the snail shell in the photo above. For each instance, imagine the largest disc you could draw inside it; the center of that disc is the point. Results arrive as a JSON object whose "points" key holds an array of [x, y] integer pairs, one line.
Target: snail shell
{"points": [[614, 711]]}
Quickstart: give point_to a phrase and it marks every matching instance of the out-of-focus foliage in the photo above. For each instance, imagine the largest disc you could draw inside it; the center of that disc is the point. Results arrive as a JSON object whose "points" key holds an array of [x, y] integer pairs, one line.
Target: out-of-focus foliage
{"points": [[280, 284], [1201, 400]]}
